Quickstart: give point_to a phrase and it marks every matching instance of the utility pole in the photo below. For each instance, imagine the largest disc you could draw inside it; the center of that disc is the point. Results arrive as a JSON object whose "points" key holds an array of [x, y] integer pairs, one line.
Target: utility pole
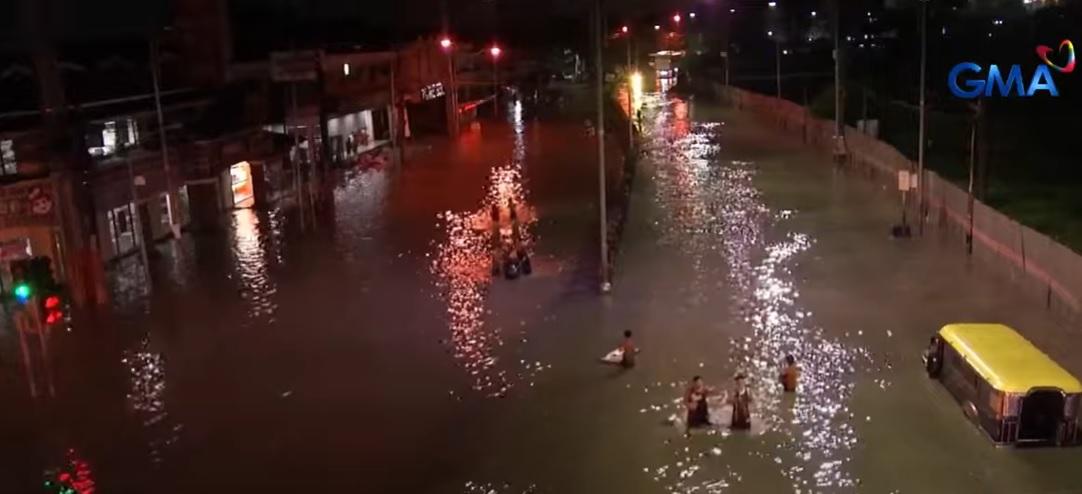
{"points": [[977, 114], [599, 33], [155, 77], [777, 64], [923, 115], [839, 92], [137, 223], [630, 95]]}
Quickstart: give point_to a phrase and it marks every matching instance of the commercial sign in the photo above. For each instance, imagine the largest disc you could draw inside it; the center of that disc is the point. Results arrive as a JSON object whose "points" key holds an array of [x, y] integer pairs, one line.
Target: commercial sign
{"points": [[27, 204], [432, 91], [966, 80]]}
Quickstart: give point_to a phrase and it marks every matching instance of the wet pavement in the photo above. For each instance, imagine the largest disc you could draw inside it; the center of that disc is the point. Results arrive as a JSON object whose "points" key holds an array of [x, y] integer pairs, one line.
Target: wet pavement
{"points": [[374, 350]]}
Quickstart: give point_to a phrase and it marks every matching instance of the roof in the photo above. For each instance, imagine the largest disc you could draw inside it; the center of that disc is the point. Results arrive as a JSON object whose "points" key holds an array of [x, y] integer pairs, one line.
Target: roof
{"points": [[1008, 361]]}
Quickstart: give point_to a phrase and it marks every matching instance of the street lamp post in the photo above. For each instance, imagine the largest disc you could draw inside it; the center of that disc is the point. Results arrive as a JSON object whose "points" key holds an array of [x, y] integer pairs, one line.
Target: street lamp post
{"points": [[170, 198], [923, 115], [777, 61], [839, 108], [600, 74], [630, 94], [449, 48], [495, 51]]}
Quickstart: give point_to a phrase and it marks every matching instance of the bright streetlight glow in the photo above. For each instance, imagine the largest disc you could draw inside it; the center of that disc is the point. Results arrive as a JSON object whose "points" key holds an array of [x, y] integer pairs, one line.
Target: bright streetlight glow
{"points": [[445, 43], [770, 33], [636, 89], [624, 29], [495, 51], [676, 18], [345, 69], [773, 4], [814, 13], [657, 27], [785, 52]]}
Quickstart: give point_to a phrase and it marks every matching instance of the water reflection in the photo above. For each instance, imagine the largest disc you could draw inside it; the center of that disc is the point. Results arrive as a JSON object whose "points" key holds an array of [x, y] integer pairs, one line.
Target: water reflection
{"points": [[74, 476], [251, 254], [713, 210], [464, 267], [146, 397]]}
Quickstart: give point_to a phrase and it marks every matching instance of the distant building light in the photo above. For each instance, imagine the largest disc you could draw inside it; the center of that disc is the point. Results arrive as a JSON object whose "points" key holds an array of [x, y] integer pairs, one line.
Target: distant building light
{"points": [[814, 13], [657, 27], [732, 11], [345, 69], [772, 4], [691, 15]]}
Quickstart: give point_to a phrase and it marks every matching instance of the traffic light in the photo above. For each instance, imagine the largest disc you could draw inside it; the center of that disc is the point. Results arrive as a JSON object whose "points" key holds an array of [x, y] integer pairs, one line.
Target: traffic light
{"points": [[52, 310], [22, 292]]}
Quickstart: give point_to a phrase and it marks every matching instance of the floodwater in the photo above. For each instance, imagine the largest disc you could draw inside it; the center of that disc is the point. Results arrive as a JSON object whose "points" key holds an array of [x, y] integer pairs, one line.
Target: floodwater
{"points": [[373, 350]]}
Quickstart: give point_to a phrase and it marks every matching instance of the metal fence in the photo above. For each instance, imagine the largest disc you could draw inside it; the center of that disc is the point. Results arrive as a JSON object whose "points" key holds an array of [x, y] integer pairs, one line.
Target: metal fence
{"points": [[1047, 270]]}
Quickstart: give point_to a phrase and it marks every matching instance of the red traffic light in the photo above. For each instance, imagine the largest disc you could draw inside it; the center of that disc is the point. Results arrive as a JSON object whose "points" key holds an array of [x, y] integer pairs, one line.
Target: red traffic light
{"points": [[51, 309]]}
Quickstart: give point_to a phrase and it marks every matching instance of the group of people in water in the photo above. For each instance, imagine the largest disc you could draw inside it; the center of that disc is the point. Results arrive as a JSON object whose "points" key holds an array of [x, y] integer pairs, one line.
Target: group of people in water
{"points": [[509, 255], [698, 407], [696, 395]]}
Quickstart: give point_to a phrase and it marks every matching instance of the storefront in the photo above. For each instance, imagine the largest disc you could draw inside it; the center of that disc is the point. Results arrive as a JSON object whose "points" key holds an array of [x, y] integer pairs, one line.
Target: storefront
{"points": [[426, 113]]}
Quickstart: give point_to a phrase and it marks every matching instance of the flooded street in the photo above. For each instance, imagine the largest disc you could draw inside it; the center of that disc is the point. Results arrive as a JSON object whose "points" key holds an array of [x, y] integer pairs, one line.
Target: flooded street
{"points": [[375, 351]]}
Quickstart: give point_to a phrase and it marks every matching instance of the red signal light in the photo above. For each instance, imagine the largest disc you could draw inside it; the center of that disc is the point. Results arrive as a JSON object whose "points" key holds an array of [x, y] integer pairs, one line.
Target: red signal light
{"points": [[52, 302]]}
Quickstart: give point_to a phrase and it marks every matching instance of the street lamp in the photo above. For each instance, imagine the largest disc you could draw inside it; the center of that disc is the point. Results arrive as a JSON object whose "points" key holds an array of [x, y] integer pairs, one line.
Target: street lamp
{"points": [[448, 47], [495, 51], [676, 18], [630, 110], [624, 29]]}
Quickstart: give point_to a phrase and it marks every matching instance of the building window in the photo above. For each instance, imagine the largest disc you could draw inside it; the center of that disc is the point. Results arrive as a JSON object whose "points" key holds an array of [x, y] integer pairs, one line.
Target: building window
{"points": [[8, 166], [105, 139]]}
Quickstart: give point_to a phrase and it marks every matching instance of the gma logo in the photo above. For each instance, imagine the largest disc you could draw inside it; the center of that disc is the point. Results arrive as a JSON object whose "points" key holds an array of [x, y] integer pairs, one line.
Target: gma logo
{"points": [[975, 85]]}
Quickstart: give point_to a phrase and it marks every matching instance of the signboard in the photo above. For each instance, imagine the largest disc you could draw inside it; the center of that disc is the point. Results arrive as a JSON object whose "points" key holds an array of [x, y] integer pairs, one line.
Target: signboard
{"points": [[11, 250], [904, 181], [432, 91], [27, 204], [293, 66]]}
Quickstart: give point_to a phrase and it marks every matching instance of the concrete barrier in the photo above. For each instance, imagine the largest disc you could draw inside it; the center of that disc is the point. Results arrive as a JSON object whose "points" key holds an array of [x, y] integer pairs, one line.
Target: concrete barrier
{"points": [[1045, 269]]}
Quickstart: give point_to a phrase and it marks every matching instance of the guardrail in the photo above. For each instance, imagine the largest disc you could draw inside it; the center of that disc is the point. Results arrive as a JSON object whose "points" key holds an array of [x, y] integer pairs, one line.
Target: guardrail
{"points": [[1047, 270]]}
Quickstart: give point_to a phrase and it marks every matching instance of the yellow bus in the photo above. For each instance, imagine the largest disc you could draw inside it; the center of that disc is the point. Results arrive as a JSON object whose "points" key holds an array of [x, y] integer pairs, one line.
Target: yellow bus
{"points": [[1008, 387]]}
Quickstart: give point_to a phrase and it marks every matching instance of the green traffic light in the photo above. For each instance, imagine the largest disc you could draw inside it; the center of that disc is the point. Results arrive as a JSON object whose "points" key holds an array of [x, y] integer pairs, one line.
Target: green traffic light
{"points": [[22, 291]]}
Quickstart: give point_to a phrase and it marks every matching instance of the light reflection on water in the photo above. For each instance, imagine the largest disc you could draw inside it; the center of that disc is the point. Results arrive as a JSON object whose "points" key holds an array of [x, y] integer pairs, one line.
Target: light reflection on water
{"points": [[251, 253], [712, 209], [462, 266], [146, 397]]}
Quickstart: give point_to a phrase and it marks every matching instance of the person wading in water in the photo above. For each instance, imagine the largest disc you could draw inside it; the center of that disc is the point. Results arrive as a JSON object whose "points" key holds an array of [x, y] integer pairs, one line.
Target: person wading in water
{"points": [[695, 401], [741, 402]]}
